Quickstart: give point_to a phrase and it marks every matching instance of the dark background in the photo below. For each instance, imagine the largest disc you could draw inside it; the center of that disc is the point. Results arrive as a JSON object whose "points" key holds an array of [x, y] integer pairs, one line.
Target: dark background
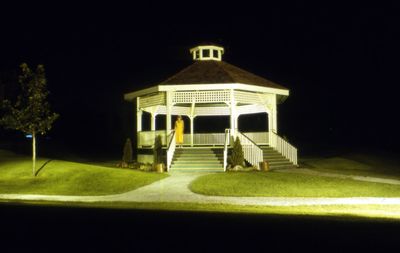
{"points": [[340, 62]]}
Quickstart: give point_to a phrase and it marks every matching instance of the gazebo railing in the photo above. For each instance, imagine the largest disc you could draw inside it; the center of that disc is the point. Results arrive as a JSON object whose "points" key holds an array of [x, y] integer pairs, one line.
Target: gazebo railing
{"points": [[146, 138], [226, 145], [212, 139], [171, 150], [260, 138], [283, 147], [252, 153]]}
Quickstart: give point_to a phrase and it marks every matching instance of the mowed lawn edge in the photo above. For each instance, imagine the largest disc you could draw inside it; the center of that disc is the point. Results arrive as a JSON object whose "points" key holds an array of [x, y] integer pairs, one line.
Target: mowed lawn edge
{"points": [[276, 184], [352, 212], [59, 177]]}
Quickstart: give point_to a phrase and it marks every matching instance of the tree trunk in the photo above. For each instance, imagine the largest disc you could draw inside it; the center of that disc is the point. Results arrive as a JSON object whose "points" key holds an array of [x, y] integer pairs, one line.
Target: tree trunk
{"points": [[33, 154]]}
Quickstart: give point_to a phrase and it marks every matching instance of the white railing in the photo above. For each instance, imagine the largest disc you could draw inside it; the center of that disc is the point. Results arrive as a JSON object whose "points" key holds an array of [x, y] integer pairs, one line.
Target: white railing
{"points": [[171, 150], [146, 138], [252, 153], [283, 147], [226, 144], [260, 138], [211, 139]]}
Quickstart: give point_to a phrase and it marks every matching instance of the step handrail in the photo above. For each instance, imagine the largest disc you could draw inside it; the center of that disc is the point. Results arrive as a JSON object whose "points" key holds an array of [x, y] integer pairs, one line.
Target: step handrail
{"points": [[283, 147], [251, 151], [227, 141], [171, 150]]}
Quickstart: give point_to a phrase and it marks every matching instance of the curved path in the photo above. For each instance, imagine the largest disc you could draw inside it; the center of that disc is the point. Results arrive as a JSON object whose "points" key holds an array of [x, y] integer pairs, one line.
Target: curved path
{"points": [[327, 174], [175, 189]]}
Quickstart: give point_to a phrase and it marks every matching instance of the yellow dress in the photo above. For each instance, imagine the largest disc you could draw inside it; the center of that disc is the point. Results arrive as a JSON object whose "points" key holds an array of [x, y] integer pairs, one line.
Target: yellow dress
{"points": [[179, 127]]}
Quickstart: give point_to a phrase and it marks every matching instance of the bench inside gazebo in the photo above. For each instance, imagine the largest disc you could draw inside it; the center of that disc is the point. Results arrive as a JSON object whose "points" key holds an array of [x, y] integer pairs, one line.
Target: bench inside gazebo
{"points": [[212, 87]]}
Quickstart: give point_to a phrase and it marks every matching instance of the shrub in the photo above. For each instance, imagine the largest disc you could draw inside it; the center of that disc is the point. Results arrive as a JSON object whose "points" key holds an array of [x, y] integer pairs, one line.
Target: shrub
{"points": [[157, 150], [237, 157], [127, 154]]}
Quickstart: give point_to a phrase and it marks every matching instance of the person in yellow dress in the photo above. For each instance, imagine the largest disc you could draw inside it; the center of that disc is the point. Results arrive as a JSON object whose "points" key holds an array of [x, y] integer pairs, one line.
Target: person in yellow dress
{"points": [[179, 128]]}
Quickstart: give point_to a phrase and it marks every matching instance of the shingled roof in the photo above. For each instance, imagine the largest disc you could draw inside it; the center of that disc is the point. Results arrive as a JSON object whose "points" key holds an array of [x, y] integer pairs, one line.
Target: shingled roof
{"points": [[214, 72]]}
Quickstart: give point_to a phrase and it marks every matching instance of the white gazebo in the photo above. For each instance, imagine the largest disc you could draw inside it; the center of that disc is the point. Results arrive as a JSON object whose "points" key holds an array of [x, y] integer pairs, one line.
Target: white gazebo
{"points": [[212, 87]]}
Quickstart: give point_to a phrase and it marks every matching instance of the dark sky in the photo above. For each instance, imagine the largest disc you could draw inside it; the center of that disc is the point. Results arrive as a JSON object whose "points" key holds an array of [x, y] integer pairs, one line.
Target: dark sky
{"points": [[340, 62]]}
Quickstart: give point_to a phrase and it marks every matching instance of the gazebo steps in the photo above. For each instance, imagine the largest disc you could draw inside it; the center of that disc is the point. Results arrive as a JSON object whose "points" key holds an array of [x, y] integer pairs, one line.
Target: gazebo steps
{"points": [[275, 159], [197, 159]]}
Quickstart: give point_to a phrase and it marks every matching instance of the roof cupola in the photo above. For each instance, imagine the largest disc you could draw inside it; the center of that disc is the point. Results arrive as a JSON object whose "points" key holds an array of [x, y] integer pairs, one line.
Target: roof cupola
{"points": [[207, 53]]}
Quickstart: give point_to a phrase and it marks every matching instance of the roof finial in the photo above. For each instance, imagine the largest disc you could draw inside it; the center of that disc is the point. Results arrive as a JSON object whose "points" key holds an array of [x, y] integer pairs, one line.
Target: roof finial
{"points": [[207, 52]]}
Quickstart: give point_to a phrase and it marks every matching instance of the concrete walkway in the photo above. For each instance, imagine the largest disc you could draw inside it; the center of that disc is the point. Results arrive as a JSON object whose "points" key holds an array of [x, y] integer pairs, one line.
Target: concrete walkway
{"points": [[358, 178], [175, 189]]}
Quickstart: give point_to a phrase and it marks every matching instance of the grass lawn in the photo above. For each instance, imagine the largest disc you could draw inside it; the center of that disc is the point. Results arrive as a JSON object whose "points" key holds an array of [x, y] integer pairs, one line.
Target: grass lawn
{"points": [[67, 178], [356, 164], [348, 212], [275, 184]]}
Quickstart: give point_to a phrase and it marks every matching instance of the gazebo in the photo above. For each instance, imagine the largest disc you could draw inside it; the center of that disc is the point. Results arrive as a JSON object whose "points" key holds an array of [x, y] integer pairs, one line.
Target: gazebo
{"points": [[212, 87]]}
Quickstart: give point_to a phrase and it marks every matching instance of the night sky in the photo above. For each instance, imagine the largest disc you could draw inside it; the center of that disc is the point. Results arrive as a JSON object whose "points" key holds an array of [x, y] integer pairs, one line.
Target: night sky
{"points": [[340, 63]]}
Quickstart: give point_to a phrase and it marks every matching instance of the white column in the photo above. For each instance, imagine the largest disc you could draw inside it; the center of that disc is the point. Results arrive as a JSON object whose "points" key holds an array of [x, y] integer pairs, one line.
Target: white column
{"points": [[274, 114], [275, 120], [269, 121], [192, 116], [138, 116], [233, 113], [191, 130], [169, 111], [237, 122], [153, 121]]}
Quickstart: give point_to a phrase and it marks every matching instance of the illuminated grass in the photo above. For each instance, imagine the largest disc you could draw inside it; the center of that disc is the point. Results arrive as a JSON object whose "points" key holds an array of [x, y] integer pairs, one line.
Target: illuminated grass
{"points": [[275, 184], [356, 164], [351, 212], [67, 178]]}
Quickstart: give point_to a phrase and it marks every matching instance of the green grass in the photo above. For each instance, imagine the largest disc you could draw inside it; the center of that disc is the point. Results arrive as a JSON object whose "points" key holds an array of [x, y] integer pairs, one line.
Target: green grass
{"points": [[276, 184], [347, 212], [67, 178], [356, 164]]}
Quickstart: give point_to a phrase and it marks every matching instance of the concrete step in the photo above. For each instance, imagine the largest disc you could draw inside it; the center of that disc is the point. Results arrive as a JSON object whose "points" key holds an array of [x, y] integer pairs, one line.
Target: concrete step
{"points": [[194, 155], [199, 170], [273, 156], [197, 159], [197, 166], [178, 163], [269, 159]]}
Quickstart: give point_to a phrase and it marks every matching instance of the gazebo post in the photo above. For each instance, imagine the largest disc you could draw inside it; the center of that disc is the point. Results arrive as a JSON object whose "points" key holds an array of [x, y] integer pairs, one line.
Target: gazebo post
{"points": [[269, 121], [138, 116], [237, 122], [191, 117], [274, 115], [232, 106], [153, 122], [275, 120], [169, 109], [191, 129]]}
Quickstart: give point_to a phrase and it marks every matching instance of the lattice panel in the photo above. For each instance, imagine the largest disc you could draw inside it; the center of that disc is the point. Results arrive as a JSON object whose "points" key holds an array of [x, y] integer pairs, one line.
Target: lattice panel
{"points": [[211, 111], [247, 97], [176, 110], [250, 109], [152, 100], [201, 96]]}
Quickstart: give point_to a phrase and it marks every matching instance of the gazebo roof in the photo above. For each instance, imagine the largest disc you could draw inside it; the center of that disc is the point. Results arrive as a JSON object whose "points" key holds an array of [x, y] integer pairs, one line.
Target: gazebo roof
{"points": [[209, 72], [217, 72]]}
